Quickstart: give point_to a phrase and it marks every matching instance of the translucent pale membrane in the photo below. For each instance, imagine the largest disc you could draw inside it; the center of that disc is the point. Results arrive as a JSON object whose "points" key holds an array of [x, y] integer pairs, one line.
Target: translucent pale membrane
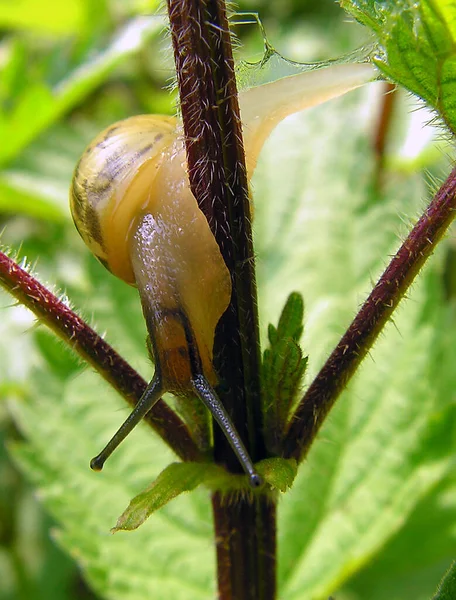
{"points": [[264, 106]]}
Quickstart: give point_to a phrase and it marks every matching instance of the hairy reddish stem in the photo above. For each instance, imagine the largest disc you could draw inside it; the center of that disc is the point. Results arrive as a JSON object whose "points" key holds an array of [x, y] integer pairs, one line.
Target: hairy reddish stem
{"points": [[248, 548], [217, 173], [244, 529], [375, 312], [384, 120], [93, 349]]}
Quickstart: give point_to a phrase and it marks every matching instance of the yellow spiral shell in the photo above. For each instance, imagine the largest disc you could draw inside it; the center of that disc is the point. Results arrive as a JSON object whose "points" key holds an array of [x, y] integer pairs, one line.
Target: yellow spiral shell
{"points": [[110, 185]]}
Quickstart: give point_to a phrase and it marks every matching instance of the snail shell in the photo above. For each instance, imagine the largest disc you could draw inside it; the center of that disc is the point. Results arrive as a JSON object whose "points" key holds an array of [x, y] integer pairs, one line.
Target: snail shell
{"points": [[111, 182]]}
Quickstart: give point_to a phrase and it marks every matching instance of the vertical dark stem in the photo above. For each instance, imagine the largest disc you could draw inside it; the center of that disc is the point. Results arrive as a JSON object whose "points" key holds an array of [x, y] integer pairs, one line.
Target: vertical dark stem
{"points": [[216, 167], [245, 530], [254, 575], [383, 128], [384, 120]]}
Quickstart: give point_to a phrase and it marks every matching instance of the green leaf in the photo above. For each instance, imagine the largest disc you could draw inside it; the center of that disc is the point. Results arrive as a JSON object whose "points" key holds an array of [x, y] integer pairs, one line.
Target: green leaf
{"points": [[447, 587], [176, 479], [418, 47], [279, 473], [283, 368], [57, 461], [389, 441], [406, 568], [290, 322]]}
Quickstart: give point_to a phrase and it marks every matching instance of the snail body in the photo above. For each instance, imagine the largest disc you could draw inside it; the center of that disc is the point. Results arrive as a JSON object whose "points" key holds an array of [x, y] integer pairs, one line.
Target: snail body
{"points": [[177, 240], [133, 207]]}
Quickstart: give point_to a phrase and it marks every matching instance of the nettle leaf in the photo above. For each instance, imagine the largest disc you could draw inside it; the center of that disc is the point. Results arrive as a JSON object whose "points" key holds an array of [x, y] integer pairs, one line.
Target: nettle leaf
{"points": [[291, 320], [278, 472], [417, 47], [172, 481], [178, 478], [65, 426], [283, 368], [407, 568], [447, 587]]}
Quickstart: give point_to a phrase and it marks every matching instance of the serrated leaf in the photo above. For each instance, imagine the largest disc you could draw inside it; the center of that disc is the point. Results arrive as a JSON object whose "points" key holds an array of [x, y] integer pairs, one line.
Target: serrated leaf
{"points": [[176, 479], [282, 370], [57, 462], [447, 587], [406, 568], [290, 322], [380, 454], [279, 473], [418, 47], [272, 334]]}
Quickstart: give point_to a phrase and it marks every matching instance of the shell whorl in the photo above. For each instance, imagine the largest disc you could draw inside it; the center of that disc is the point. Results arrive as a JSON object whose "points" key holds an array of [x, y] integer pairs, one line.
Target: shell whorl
{"points": [[111, 182]]}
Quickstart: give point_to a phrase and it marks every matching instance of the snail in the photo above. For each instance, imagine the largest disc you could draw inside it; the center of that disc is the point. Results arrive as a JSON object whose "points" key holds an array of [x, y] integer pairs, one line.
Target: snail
{"points": [[132, 205]]}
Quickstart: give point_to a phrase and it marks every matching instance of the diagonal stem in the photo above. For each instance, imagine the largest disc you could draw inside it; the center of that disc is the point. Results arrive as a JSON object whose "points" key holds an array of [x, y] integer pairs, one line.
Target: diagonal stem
{"points": [[93, 349], [374, 314]]}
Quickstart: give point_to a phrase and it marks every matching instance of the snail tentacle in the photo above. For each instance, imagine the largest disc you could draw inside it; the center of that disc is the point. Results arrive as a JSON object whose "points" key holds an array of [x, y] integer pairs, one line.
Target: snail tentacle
{"points": [[151, 396], [207, 395]]}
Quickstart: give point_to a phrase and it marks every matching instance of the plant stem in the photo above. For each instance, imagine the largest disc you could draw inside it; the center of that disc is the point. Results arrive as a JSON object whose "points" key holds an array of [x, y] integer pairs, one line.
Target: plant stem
{"points": [[382, 129], [245, 529], [370, 320], [93, 349], [384, 121], [246, 566], [218, 179]]}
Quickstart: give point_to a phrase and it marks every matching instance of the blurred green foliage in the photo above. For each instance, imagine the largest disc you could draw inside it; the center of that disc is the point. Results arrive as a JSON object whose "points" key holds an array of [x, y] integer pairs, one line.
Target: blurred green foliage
{"points": [[68, 70]]}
